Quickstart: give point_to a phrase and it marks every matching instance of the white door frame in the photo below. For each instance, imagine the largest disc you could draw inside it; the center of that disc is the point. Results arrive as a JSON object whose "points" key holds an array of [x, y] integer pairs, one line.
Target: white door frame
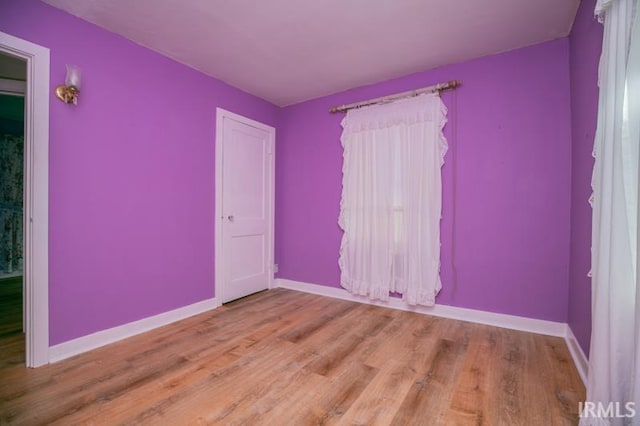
{"points": [[36, 196], [221, 114]]}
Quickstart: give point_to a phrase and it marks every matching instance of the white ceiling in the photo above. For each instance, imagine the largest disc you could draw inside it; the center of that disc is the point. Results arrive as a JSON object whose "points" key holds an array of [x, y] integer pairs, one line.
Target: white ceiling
{"points": [[288, 51]]}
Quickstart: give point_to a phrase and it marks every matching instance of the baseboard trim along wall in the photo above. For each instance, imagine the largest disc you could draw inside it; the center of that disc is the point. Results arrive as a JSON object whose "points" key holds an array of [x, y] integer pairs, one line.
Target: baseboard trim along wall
{"points": [[579, 358], [101, 338], [550, 328], [499, 320]]}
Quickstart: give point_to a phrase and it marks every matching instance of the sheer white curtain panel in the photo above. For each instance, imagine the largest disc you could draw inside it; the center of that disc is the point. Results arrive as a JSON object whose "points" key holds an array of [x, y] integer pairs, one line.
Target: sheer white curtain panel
{"points": [[392, 199], [614, 358]]}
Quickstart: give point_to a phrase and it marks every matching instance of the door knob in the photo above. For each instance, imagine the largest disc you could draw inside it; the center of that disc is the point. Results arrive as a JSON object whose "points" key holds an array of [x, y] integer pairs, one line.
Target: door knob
{"points": [[230, 217]]}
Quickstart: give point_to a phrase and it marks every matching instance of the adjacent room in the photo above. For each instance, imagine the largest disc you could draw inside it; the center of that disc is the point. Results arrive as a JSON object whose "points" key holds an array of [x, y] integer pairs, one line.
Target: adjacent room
{"points": [[12, 84], [382, 212]]}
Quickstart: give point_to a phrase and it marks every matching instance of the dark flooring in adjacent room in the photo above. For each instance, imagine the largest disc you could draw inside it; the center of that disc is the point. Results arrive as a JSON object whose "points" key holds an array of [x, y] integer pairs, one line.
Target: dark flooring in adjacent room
{"points": [[11, 336]]}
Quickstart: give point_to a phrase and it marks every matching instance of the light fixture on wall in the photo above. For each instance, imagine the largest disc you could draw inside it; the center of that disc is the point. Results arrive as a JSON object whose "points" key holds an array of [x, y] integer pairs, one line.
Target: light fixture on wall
{"points": [[68, 92]]}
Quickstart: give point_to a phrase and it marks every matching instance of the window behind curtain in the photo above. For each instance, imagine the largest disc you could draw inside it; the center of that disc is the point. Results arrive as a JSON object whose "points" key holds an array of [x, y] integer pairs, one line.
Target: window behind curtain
{"points": [[392, 199]]}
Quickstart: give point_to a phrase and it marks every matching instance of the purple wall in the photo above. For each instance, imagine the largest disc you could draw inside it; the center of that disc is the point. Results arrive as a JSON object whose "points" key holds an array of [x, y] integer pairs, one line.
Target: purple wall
{"points": [[131, 174], [585, 47], [508, 170], [132, 177]]}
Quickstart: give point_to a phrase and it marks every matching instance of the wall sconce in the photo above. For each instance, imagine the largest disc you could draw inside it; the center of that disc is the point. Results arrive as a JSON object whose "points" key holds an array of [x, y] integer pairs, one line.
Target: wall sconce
{"points": [[68, 93]]}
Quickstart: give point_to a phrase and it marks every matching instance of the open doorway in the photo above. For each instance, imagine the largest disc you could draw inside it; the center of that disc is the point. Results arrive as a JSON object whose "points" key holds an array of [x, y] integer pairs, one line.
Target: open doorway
{"points": [[13, 77], [34, 258]]}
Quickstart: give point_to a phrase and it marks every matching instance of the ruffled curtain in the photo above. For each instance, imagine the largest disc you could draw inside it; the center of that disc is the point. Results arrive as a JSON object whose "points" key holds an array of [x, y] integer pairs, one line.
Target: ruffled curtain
{"points": [[11, 158], [614, 360], [392, 199]]}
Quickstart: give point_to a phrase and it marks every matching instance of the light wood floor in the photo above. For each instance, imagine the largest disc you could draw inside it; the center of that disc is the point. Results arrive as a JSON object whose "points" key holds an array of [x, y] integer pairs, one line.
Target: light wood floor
{"points": [[283, 357]]}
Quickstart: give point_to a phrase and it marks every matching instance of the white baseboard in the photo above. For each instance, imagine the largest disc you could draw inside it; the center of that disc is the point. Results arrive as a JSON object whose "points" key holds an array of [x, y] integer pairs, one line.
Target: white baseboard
{"points": [[92, 341], [579, 358], [512, 322], [550, 328]]}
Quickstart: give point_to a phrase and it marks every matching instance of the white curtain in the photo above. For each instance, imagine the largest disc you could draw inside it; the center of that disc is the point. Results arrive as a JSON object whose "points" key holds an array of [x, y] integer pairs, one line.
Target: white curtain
{"points": [[614, 360], [392, 199]]}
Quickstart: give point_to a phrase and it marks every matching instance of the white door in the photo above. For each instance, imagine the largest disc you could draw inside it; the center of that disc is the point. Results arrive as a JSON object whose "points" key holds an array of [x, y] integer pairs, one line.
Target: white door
{"points": [[244, 206]]}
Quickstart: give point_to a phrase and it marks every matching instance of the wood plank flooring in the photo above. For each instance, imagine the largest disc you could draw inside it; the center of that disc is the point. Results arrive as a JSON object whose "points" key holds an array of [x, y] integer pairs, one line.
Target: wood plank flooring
{"points": [[11, 336], [286, 358]]}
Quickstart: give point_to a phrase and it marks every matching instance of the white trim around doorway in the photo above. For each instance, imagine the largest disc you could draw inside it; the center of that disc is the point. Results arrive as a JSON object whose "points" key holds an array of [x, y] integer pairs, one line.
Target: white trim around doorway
{"points": [[36, 195]]}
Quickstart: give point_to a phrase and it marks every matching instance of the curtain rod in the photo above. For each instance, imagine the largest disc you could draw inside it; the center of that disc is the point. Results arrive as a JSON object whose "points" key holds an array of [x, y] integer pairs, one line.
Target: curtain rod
{"points": [[440, 87]]}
